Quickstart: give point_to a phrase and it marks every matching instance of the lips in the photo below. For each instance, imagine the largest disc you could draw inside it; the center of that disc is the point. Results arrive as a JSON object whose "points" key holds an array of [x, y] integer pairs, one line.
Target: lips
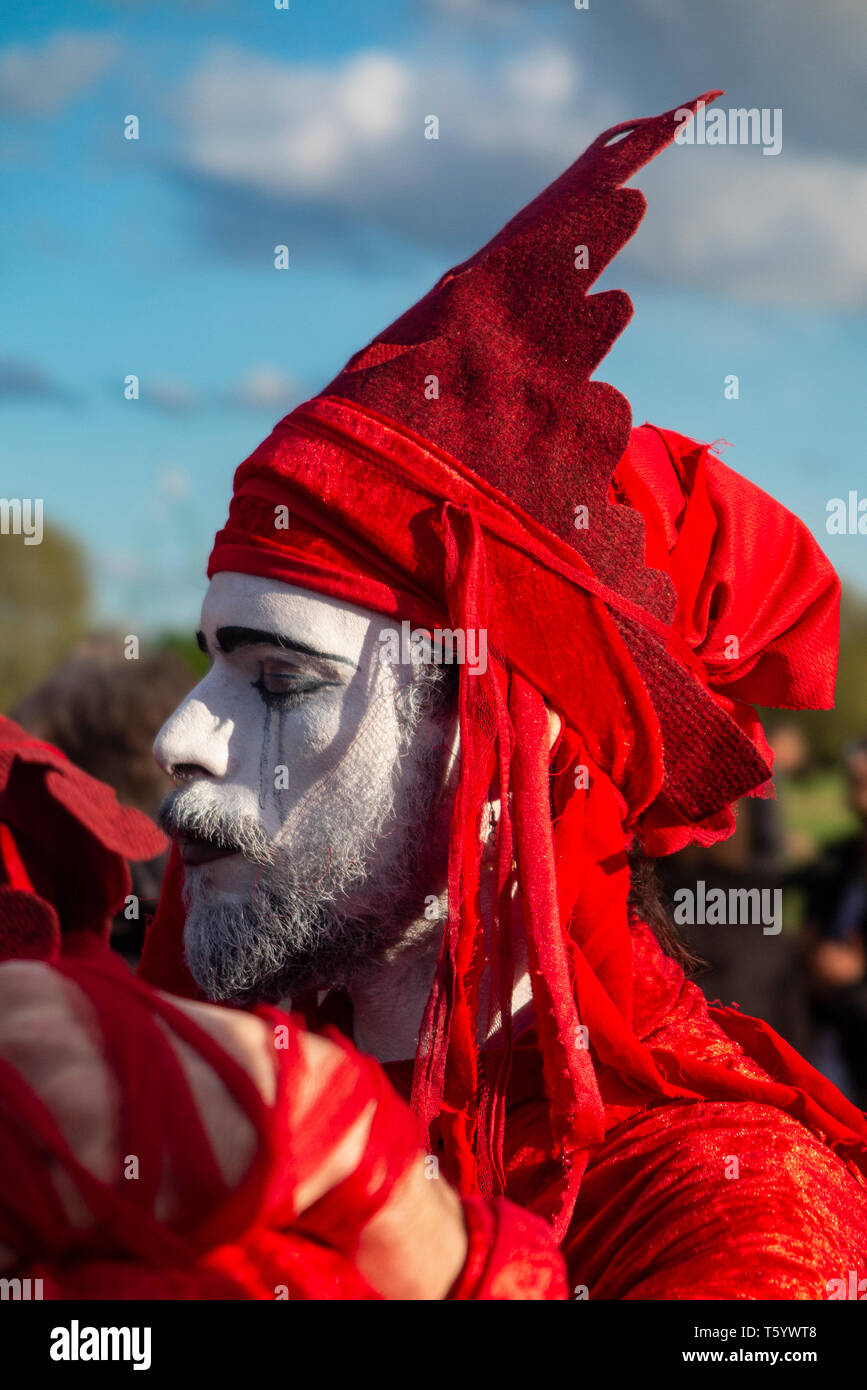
{"points": [[195, 851]]}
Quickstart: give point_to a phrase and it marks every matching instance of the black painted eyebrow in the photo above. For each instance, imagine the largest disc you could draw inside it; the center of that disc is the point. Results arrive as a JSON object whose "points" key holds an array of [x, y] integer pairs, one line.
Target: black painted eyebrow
{"points": [[229, 638]]}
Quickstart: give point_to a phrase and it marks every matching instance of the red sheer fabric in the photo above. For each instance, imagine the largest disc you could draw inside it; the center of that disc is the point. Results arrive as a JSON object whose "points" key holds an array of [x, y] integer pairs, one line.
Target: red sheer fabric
{"points": [[247, 1242], [231, 1242]]}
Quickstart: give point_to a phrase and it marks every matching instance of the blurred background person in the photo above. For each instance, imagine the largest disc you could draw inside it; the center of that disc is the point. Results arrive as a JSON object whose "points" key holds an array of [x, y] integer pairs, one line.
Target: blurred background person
{"points": [[737, 962], [835, 923]]}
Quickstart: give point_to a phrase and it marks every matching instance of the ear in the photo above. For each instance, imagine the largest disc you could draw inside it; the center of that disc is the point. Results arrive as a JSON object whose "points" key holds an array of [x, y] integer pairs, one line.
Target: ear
{"points": [[555, 725]]}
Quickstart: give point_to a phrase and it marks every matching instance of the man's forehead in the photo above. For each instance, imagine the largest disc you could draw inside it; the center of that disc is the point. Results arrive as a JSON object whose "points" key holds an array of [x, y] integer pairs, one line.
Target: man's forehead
{"points": [[245, 600]]}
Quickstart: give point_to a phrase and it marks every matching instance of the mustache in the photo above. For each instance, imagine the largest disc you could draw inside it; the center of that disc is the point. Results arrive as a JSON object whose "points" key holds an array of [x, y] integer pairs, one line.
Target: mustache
{"points": [[186, 812]]}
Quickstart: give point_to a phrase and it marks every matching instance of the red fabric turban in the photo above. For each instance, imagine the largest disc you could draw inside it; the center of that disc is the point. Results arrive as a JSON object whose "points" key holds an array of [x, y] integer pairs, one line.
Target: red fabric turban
{"points": [[441, 478]]}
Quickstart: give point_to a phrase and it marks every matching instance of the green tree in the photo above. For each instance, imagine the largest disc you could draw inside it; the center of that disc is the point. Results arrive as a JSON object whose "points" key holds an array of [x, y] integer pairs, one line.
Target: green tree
{"points": [[44, 602], [186, 647]]}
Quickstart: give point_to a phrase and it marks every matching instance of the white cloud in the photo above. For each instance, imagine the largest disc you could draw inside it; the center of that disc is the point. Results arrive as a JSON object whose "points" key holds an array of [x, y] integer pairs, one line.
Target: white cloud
{"points": [[355, 130], [265, 388], [40, 79], [372, 104], [546, 76], [784, 229], [291, 128], [374, 95], [349, 137], [174, 481]]}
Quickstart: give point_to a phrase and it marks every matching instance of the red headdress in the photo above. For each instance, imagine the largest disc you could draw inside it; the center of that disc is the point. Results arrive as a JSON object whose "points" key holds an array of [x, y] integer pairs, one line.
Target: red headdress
{"points": [[439, 479]]}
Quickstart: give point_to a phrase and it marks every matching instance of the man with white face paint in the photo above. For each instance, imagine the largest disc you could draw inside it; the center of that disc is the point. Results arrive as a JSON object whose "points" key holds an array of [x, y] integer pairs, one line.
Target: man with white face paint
{"points": [[448, 865], [311, 811]]}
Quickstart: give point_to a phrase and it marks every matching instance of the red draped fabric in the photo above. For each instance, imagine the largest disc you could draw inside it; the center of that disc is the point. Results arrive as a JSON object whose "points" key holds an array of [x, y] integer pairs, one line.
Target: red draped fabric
{"points": [[717, 1198], [380, 488], [757, 602]]}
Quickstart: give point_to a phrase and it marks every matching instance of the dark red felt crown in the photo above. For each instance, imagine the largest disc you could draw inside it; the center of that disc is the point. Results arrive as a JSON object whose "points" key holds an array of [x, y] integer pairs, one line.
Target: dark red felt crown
{"points": [[513, 336]]}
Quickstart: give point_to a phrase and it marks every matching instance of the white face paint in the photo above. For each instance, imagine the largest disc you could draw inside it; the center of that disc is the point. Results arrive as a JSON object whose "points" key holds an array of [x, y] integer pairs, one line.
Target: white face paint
{"points": [[302, 749]]}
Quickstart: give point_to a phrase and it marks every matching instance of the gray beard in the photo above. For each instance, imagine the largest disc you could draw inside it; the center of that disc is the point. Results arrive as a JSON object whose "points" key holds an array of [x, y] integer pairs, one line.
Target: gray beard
{"points": [[317, 921]]}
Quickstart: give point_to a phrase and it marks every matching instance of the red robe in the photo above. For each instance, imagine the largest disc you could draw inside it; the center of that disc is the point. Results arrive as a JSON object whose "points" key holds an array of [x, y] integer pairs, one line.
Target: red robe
{"points": [[687, 1200], [710, 1199]]}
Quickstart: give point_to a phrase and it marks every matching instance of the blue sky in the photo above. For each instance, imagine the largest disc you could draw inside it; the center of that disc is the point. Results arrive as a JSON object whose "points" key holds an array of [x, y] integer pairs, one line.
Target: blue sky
{"points": [[260, 126]]}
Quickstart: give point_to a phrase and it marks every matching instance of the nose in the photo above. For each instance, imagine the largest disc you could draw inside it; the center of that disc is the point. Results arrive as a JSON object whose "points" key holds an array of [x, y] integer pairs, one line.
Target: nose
{"points": [[194, 742]]}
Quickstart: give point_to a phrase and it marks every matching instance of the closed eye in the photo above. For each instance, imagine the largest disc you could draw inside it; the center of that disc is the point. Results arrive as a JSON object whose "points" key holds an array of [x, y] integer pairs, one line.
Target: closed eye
{"points": [[281, 687]]}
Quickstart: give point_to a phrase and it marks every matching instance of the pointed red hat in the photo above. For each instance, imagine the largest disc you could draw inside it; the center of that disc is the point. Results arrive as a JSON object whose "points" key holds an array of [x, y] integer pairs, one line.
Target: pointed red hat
{"points": [[492, 368]]}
